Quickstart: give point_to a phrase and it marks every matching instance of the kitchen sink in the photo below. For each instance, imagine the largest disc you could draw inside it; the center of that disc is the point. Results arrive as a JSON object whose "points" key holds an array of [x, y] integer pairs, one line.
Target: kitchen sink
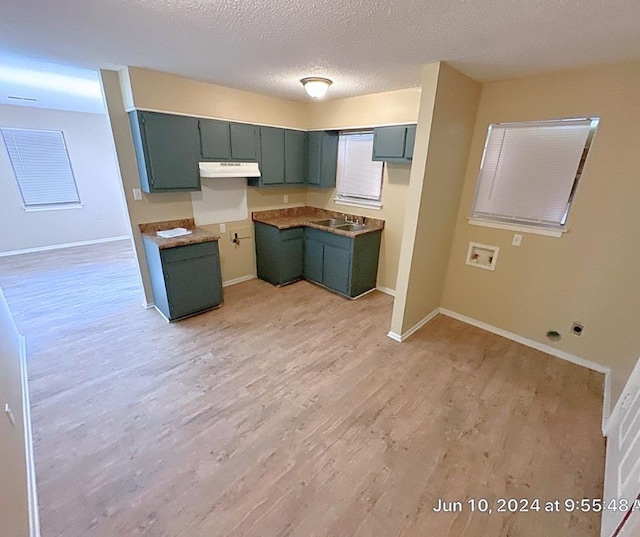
{"points": [[331, 222], [351, 227]]}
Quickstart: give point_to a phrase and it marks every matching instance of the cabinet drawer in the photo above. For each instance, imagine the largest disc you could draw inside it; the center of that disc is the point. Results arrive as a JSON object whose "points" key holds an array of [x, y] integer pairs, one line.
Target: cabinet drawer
{"points": [[190, 251], [293, 233], [332, 239]]}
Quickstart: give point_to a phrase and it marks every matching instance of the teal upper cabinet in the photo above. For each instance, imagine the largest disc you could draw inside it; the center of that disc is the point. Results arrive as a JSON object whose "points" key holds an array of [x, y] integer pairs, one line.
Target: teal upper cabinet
{"points": [[215, 140], [409, 142], [271, 156], [221, 140], [322, 158], [294, 157], [167, 151], [281, 156], [394, 143], [244, 141]]}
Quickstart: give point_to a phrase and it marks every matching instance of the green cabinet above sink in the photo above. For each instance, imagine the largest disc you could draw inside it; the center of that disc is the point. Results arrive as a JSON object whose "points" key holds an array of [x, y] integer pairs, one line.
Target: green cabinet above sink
{"points": [[322, 158], [394, 143]]}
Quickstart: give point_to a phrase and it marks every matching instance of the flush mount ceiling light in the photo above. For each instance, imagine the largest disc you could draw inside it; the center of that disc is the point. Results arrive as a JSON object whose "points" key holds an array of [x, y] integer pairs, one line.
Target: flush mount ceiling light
{"points": [[316, 87]]}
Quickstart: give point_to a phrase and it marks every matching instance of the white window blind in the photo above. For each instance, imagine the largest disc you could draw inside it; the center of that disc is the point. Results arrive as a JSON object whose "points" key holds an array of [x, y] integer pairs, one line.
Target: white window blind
{"points": [[529, 171], [42, 168], [358, 177]]}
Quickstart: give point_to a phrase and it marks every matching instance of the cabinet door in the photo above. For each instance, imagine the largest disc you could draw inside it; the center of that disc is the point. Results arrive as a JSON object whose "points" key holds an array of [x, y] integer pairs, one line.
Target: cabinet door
{"points": [[313, 257], [294, 152], [322, 158], [313, 158], [336, 268], [267, 240], [328, 159], [215, 140], [272, 155], [172, 151], [193, 285], [410, 142], [243, 141], [389, 142], [291, 259]]}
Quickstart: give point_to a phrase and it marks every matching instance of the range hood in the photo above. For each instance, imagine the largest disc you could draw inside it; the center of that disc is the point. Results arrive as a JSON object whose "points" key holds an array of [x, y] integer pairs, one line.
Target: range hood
{"points": [[229, 169]]}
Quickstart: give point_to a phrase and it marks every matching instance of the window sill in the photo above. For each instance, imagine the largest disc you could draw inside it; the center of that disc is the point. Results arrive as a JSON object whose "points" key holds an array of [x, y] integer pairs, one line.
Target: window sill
{"points": [[548, 232], [52, 208], [375, 205]]}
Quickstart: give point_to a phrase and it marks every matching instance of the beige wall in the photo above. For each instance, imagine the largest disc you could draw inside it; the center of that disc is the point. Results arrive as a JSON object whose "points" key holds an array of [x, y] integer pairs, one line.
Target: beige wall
{"points": [[385, 108], [88, 140], [445, 126], [14, 507], [153, 90], [591, 273], [366, 111]]}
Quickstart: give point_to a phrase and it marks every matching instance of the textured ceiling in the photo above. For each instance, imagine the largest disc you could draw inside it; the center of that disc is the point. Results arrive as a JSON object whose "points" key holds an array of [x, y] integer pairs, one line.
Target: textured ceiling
{"points": [[364, 46]]}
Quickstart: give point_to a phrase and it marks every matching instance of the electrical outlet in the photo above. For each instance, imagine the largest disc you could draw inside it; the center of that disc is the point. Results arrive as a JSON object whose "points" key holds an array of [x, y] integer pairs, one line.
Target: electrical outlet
{"points": [[223, 228], [137, 194], [517, 240], [286, 198]]}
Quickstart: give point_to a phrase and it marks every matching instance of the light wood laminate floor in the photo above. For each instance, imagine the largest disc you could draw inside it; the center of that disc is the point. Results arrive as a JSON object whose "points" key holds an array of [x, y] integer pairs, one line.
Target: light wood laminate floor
{"points": [[287, 412]]}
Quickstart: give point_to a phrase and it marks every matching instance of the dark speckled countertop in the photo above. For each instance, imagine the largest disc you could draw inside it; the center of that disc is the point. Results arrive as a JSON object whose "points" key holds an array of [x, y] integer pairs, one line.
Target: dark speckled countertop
{"points": [[197, 235], [307, 216]]}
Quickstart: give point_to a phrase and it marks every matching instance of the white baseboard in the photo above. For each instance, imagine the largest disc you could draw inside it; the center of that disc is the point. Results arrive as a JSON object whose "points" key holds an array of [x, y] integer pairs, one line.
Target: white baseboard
{"points": [[528, 342], [59, 246], [606, 403], [32, 491], [148, 305], [395, 336], [386, 290], [548, 349], [403, 337], [241, 279]]}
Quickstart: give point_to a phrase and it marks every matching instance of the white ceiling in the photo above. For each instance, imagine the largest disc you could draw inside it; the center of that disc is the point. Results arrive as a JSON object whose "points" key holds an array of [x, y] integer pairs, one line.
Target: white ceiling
{"points": [[364, 46]]}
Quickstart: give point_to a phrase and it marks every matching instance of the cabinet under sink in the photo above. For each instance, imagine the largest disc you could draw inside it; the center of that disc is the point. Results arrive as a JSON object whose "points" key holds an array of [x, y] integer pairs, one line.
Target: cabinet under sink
{"points": [[346, 265]]}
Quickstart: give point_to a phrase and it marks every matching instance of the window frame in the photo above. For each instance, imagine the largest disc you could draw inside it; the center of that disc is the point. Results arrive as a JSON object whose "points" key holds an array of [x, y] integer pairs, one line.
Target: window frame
{"points": [[53, 206], [355, 201], [539, 228]]}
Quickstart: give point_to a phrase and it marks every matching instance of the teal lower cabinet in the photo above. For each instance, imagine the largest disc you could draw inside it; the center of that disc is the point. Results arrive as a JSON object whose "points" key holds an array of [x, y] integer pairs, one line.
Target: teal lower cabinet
{"points": [[185, 279], [313, 259], [347, 265], [279, 253]]}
